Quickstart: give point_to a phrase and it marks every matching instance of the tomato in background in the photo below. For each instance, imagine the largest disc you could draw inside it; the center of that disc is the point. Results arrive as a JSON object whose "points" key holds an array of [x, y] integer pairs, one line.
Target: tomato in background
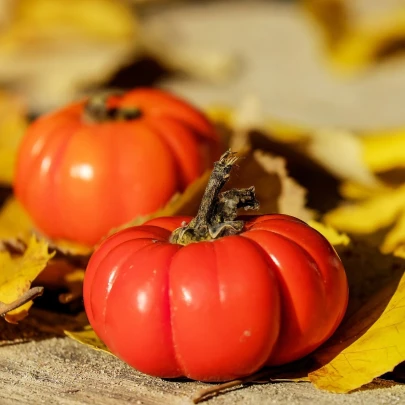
{"points": [[97, 164]]}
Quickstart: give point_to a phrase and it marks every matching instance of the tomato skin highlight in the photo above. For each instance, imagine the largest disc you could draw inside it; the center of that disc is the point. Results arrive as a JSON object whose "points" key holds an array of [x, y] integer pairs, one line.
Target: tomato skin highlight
{"points": [[78, 179], [215, 310], [238, 332]]}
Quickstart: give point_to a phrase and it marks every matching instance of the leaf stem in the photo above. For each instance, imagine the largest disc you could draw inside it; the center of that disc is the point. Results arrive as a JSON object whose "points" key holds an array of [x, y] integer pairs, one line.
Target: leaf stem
{"points": [[26, 297]]}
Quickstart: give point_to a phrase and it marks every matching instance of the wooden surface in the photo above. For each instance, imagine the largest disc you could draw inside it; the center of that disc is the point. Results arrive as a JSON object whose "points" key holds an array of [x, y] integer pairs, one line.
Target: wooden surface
{"points": [[61, 371], [288, 74]]}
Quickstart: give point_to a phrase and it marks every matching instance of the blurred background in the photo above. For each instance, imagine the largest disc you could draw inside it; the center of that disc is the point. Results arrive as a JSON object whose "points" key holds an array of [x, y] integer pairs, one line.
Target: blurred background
{"points": [[313, 63]]}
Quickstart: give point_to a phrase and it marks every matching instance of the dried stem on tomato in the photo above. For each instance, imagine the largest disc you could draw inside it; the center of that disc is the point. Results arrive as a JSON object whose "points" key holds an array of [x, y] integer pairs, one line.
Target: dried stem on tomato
{"points": [[97, 110], [216, 216]]}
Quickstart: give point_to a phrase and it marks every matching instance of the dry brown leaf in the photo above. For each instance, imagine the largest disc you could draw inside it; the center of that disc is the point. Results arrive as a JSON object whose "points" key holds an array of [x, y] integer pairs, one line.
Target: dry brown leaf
{"points": [[359, 34], [322, 146], [275, 190]]}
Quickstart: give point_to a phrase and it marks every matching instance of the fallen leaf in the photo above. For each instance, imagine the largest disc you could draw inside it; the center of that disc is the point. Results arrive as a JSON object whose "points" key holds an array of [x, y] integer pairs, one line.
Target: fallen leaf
{"points": [[332, 235], [353, 191], [276, 191], [358, 35], [327, 146], [17, 274], [323, 146], [13, 123], [395, 237], [368, 216], [88, 337], [384, 150], [369, 344]]}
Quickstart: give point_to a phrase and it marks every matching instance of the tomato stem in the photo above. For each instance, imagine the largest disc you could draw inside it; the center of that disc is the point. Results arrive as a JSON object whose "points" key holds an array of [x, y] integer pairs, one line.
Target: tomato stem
{"points": [[96, 110], [216, 216]]}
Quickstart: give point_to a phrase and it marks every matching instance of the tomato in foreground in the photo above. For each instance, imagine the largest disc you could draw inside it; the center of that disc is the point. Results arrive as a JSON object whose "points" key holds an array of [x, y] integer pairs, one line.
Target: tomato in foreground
{"points": [[187, 297], [99, 163]]}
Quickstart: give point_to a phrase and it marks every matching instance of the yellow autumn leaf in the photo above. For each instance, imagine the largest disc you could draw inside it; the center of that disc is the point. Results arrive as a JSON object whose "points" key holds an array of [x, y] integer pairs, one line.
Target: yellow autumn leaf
{"points": [[356, 36], [368, 216], [88, 337], [395, 237], [17, 274], [353, 191], [370, 343], [332, 235], [384, 150], [13, 123], [400, 251]]}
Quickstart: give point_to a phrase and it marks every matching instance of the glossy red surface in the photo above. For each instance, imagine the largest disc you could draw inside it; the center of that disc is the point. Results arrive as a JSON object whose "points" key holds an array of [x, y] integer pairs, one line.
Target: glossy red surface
{"points": [[79, 179], [217, 310]]}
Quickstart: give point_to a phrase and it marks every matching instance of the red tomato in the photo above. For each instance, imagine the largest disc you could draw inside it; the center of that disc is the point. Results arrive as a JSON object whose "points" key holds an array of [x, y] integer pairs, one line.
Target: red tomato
{"points": [[79, 178], [215, 310]]}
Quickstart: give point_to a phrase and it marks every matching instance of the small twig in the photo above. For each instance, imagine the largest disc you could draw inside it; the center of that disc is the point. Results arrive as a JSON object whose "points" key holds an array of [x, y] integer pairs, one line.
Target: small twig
{"points": [[252, 379], [26, 297], [215, 390]]}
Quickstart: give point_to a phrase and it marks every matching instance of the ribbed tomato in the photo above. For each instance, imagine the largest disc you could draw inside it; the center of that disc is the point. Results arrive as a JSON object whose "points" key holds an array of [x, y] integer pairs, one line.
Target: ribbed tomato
{"points": [[96, 164], [215, 310]]}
